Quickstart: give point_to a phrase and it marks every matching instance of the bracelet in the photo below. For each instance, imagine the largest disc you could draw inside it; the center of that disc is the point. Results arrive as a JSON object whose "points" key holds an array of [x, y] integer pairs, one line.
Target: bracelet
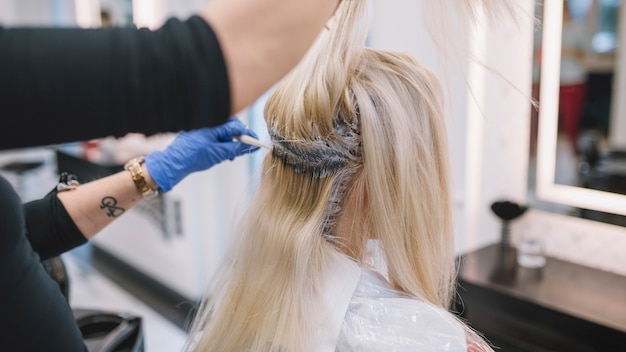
{"points": [[67, 182], [133, 166]]}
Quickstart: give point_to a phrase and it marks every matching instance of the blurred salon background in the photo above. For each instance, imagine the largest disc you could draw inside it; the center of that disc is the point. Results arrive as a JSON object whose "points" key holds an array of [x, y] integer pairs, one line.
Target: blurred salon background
{"points": [[562, 160]]}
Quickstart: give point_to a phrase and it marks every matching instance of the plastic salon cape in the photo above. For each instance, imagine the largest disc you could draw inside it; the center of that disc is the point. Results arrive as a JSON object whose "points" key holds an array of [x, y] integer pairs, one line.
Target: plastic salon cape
{"points": [[367, 314]]}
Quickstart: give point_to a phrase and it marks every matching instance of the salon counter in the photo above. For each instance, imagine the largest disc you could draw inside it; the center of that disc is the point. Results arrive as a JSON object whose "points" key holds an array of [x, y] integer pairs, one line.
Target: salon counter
{"points": [[561, 307]]}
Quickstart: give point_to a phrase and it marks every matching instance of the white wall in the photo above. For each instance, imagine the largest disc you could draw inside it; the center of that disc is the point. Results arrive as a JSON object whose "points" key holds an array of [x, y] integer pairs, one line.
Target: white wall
{"points": [[183, 9], [506, 126], [26, 12], [37, 12], [153, 13], [51, 12], [6, 12]]}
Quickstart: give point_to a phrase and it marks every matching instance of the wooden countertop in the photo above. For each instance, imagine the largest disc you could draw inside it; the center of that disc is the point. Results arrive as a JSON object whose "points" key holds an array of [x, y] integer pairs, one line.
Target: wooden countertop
{"points": [[572, 289]]}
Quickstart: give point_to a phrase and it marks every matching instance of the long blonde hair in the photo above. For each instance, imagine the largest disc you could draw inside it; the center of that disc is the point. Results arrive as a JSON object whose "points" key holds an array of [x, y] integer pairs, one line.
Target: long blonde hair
{"points": [[349, 122]]}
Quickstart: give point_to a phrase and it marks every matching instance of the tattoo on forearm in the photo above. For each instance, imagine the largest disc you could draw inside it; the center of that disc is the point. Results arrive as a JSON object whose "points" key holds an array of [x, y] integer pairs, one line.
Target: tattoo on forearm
{"points": [[113, 211]]}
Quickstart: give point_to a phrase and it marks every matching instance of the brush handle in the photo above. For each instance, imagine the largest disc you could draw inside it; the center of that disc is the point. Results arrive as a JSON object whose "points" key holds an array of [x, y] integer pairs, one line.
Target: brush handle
{"points": [[251, 141]]}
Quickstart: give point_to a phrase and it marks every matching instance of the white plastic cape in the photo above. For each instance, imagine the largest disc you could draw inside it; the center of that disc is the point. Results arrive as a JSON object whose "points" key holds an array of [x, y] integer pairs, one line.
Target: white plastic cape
{"points": [[367, 314]]}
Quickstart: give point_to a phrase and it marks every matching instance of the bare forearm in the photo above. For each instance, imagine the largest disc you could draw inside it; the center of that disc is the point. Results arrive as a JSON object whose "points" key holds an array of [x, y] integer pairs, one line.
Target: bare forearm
{"points": [[96, 204], [263, 40]]}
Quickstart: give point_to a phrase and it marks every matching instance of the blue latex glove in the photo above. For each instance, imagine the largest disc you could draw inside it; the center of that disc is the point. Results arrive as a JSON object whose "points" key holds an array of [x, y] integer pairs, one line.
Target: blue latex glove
{"points": [[197, 150]]}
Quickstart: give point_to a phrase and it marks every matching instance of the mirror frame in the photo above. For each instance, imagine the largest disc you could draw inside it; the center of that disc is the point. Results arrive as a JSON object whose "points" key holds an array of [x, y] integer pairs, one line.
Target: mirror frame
{"points": [[546, 188]]}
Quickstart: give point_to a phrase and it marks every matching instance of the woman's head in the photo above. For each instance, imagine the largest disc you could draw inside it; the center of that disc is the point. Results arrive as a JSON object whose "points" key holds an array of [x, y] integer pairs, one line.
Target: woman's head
{"points": [[369, 129], [359, 152]]}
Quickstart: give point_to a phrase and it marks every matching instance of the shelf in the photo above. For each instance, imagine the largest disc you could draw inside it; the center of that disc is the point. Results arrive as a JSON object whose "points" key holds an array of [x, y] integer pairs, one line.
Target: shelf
{"points": [[562, 307]]}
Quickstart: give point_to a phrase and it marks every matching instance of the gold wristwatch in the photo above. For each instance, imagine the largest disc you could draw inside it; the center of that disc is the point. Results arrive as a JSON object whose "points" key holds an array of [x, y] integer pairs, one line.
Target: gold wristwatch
{"points": [[133, 166]]}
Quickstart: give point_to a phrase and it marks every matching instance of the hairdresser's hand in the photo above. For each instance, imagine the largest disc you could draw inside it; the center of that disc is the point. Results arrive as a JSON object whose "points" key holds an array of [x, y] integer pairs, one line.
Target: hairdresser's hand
{"points": [[197, 150]]}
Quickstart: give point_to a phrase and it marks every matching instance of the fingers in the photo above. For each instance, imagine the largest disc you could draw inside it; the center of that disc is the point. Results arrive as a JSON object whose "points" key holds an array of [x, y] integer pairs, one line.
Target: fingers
{"points": [[250, 133], [224, 137], [239, 129], [232, 150], [226, 132], [235, 127]]}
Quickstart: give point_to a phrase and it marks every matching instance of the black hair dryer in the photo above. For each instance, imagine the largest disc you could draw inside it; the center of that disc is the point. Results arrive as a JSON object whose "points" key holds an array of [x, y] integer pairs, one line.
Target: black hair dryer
{"points": [[506, 269]]}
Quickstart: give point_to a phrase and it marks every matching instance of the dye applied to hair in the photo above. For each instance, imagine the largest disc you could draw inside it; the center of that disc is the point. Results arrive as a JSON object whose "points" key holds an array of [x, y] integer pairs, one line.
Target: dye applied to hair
{"points": [[339, 155], [322, 156]]}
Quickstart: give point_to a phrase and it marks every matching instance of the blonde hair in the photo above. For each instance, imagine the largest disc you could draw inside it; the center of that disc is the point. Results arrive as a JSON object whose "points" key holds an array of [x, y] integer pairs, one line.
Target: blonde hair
{"points": [[355, 130]]}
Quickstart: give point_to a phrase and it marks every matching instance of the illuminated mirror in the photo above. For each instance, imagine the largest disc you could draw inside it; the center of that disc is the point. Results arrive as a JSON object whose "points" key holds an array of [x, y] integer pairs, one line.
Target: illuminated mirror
{"points": [[580, 76]]}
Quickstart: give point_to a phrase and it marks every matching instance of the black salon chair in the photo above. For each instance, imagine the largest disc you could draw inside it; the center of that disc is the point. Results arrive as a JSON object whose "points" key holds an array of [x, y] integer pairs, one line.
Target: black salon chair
{"points": [[109, 331], [102, 331]]}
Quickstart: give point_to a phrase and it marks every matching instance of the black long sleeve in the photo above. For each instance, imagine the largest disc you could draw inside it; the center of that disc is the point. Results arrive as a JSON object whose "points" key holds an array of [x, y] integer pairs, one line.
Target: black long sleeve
{"points": [[49, 228], [64, 85]]}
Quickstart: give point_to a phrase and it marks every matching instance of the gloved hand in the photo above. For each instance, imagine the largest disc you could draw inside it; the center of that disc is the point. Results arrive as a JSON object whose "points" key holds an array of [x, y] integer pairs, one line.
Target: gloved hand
{"points": [[197, 150]]}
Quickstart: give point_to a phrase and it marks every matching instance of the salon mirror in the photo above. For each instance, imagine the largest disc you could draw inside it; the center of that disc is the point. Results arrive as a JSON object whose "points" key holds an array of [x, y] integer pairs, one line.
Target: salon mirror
{"points": [[578, 164]]}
